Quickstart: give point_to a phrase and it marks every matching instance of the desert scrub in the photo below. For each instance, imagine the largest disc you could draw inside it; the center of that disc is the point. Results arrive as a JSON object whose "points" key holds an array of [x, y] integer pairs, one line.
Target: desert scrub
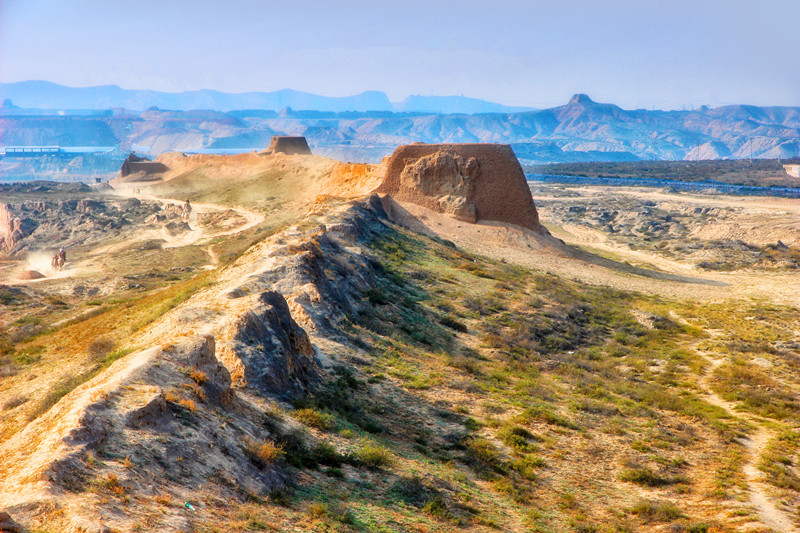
{"points": [[526, 466], [14, 401], [779, 460], [742, 381], [326, 511], [100, 348], [111, 484], [262, 452], [518, 438], [171, 298], [198, 376], [647, 477], [373, 455], [315, 418], [545, 414], [483, 457], [654, 511]]}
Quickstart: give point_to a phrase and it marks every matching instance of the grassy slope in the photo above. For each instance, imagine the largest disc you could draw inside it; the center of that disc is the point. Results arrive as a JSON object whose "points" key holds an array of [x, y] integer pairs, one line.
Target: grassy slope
{"points": [[484, 395], [490, 397]]}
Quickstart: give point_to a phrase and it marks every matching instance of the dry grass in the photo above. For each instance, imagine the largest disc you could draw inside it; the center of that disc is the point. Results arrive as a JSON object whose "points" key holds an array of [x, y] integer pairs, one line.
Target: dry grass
{"points": [[263, 452], [198, 376]]}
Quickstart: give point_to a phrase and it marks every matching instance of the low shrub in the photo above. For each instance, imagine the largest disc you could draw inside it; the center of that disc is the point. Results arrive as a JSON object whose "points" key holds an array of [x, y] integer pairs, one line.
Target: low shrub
{"points": [[652, 511], [314, 418], [262, 452], [374, 455]]}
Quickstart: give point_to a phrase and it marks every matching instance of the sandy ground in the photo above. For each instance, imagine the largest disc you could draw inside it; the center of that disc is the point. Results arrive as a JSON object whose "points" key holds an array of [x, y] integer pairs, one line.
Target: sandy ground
{"points": [[197, 233], [667, 278], [759, 220]]}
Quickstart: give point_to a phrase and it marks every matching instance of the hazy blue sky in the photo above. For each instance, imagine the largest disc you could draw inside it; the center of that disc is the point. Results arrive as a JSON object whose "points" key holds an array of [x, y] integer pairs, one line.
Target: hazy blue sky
{"points": [[663, 54]]}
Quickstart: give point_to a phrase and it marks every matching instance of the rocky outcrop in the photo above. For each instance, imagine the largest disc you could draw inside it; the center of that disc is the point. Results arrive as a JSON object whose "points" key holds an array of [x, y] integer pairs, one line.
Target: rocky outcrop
{"points": [[269, 351], [167, 413], [9, 525], [284, 144], [13, 228], [468, 181], [33, 225]]}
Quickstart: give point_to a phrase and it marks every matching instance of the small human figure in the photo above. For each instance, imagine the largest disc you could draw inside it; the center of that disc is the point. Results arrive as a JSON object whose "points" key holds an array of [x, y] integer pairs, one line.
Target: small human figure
{"points": [[186, 210], [59, 259]]}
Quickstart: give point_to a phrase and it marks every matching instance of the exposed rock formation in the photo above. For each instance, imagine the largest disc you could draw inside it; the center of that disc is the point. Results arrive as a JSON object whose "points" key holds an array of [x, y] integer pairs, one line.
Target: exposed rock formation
{"points": [[13, 228], [468, 181], [268, 350], [9, 525], [149, 409], [284, 144], [135, 164], [68, 215]]}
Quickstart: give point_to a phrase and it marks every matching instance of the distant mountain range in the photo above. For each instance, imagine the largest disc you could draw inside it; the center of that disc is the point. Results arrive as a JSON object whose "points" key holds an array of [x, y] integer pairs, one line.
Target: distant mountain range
{"points": [[47, 95], [581, 130]]}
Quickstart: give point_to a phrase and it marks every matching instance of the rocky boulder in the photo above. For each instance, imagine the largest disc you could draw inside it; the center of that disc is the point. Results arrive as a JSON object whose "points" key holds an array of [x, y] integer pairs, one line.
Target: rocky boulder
{"points": [[9, 525], [471, 182], [269, 351]]}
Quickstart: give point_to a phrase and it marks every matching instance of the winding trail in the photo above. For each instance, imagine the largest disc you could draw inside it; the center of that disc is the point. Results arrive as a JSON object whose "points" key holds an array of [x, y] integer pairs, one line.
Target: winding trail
{"points": [[769, 514], [196, 234]]}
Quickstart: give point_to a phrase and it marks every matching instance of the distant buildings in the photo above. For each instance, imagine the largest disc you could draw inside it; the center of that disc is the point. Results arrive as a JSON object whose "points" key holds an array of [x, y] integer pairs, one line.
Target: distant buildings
{"points": [[792, 170]]}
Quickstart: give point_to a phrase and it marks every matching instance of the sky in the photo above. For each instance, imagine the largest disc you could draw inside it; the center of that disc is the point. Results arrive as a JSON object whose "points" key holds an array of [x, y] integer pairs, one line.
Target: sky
{"points": [[635, 53]]}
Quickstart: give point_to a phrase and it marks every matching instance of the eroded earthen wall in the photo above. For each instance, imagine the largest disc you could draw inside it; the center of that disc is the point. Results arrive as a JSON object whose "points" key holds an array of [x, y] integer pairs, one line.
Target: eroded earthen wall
{"points": [[282, 144], [469, 181]]}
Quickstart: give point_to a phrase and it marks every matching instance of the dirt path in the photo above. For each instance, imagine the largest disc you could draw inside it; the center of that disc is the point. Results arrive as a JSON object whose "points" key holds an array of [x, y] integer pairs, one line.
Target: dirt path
{"points": [[769, 514], [196, 234]]}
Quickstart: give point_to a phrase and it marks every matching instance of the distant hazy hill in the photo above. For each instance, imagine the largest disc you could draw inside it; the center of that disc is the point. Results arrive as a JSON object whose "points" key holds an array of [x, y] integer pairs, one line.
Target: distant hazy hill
{"points": [[43, 94], [46, 95], [454, 104], [581, 130]]}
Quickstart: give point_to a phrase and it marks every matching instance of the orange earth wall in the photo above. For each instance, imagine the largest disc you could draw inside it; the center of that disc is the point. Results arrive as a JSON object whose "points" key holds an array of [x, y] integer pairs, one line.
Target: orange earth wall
{"points": [[500, 191]]}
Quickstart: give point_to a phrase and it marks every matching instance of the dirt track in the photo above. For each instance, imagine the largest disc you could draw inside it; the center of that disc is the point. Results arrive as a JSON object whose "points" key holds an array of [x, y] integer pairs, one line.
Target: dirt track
{"points": [[755, 443]]}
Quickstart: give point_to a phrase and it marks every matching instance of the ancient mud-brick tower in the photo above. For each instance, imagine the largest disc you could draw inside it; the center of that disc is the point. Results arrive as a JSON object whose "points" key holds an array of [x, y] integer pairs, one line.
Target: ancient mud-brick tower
{"points": [[135, 164], [471, 182], [284, 144]]}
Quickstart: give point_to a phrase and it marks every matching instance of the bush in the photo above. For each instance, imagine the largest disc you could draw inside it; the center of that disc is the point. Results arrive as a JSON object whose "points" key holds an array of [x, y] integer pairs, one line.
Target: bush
{"points": [[198, 376], [656, 511], [645, 476], [99, 348], [373, 455], [483, 457], [450, 322], [14, 401], [526, 466], [544, 414], [438, 508], [314, 418], [518, 438], [262, 453]]}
